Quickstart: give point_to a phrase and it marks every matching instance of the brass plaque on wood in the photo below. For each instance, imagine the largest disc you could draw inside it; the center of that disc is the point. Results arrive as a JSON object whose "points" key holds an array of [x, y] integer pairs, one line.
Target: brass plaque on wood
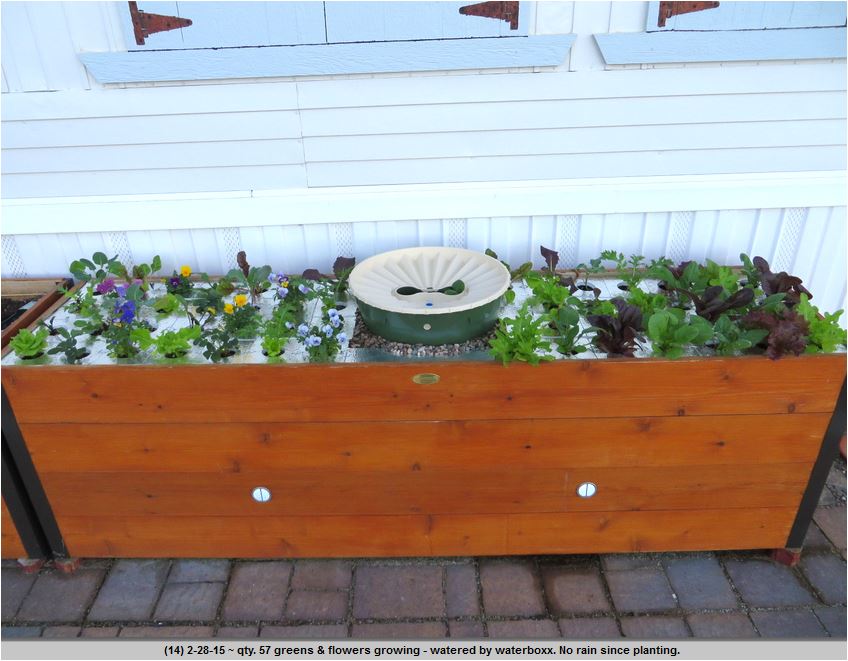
{"points": [[425, 378]]}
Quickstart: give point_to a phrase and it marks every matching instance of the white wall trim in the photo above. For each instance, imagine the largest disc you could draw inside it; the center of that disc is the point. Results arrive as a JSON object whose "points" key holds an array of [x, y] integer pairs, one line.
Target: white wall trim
{"points": [[423, 202]]}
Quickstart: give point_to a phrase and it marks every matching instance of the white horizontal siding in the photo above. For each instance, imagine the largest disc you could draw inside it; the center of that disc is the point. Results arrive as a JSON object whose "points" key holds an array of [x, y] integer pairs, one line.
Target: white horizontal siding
{"points": [[425, 130], [805, 241]]}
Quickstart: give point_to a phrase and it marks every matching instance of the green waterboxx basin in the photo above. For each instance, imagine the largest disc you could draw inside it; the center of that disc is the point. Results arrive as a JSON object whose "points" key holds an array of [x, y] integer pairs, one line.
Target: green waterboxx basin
{"points": [[429, 295]]}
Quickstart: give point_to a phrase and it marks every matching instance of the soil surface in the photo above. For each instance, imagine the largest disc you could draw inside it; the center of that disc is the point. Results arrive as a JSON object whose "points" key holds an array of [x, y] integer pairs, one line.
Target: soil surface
{"points": [[11, 308]]}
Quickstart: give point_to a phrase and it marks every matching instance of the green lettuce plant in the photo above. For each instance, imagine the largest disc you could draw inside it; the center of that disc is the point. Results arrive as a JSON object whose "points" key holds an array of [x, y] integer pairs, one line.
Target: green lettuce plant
{"points": [[167, 304], [670, 332], [566, 323], [28, 345], [521, 338], [825, 334], [174, 344]]}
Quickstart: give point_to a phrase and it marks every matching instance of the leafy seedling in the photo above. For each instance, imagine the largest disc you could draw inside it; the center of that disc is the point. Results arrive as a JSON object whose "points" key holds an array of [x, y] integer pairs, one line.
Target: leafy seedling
{"points": [[68, 346], [729, 338], [825, 335], [670, 332], [520, 338]]}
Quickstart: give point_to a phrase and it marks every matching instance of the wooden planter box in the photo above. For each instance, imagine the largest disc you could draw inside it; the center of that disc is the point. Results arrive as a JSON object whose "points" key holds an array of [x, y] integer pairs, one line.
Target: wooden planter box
{"points": [[360, 460], [49, 299]]}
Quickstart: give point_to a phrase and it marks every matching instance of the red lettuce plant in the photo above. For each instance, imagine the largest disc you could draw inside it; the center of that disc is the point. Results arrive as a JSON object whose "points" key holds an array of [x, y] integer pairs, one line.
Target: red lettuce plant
{"points": [[618, 334], [780, 283], [710, 305], [787, 331]]}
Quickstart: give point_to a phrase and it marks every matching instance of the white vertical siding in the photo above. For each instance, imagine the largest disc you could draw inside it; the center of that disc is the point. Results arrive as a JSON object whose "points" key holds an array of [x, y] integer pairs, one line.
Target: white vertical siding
{"points": [[799, 240]]}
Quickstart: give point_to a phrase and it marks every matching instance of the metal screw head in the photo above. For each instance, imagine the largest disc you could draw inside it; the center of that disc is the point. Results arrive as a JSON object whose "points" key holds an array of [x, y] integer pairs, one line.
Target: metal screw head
{"points": [[586, 490], [261, 494]]}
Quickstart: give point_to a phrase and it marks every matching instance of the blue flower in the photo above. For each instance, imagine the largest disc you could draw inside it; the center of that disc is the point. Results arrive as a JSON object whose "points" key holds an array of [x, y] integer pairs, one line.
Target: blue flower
{"points": [[313, 341], [327, 330], [332, 313], [303, 289], [126, 310], [303, 330], [336, 321], [282, 292], [342, 337], [289, 325], [273, 277]]}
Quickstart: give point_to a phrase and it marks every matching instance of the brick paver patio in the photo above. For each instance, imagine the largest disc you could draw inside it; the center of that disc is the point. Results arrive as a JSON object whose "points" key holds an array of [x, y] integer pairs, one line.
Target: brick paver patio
{"points": [[670, 595]]}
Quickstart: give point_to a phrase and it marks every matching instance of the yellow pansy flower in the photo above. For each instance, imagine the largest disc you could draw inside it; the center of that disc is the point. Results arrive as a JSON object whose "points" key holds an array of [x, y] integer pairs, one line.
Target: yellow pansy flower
{"points": [[285, 283], [228, 308], [240, 300], [185, 271]]}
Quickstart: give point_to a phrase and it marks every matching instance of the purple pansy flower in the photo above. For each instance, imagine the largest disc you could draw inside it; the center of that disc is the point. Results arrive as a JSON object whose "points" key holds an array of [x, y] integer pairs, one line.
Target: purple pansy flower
{"points": [[282, 292], [342, 337], [106, 286], [313, 341], [174, 282], [327, 330], [303, 289], [303, 330]]}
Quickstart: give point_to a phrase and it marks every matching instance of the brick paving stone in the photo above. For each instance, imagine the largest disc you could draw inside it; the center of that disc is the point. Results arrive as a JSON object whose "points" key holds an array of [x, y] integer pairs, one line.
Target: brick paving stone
{"points": [[99, 632], [398, 591], [816, 540], [467, 629], [166, 633], [237, 633], [721, 625], [16, 584], [653, 627], [574, 589], [788, 624], [833, 620], [189, 601], [306, 632], [589, 628], [129, 591], [20, 632], [461, 591], [519, 629], [313, 605], [322, 575], [827, 574], [57, 597], [60, 632], [623, 561], [832, 523], [763, 583], [699, 583], [199, 571], [400, 631], [640, 590], [511, 587], [257, 591]]}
